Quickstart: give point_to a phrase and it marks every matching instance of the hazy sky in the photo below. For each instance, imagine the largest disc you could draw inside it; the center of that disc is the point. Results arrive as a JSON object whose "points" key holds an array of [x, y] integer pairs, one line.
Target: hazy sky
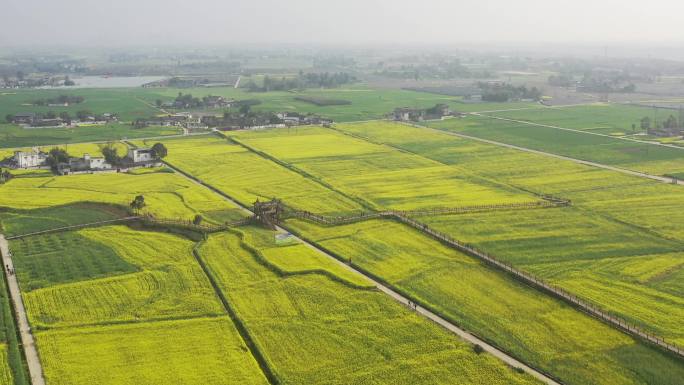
{"points": [[231, 22]]}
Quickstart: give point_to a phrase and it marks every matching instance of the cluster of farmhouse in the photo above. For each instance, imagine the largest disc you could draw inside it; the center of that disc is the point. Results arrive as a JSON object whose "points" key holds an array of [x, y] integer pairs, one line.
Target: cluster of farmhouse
{"points": [[34, 120], [233, 121], [406, 114], [37, 159]]}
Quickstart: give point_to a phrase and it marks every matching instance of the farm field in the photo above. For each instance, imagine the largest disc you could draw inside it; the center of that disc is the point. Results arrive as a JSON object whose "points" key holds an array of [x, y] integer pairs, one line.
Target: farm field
{"points": [[247, 176], [12, 136], [194, 352], [643, 157], [167, 195], [380, 176], [511, 315], [12, 366], [120, 101], [615, 220], [138, 303], [119, 306], [601, 118], [365, 103], [313, 329], [133, 103], [151, 276], [5, 371]]}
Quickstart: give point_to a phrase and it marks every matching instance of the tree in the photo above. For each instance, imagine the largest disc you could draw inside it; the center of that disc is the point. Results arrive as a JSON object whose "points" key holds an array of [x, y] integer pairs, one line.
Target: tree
{"points": [[245, 109], [478, 349], [671, 122], [69, 82], [5, 175], [83, 114], [65, 117], [158, 102], [50, 115], [110, 154], [160, 151], [645, 123], [197, 220], [56, 156], [138, 203], [9, 118]]}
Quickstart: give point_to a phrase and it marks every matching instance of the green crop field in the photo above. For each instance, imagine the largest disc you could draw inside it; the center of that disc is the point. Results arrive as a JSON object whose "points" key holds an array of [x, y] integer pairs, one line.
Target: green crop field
{"points": [[247, 176], [119, 305], [51, 259], [553, 336], [166, 283], [644, 157], [30, 201], [5, 371], [616, 220], [380, 176], [12, 369], [312, 329], [19, 221], [193, 352], [602, 118], [15, 136], [121, 101]]}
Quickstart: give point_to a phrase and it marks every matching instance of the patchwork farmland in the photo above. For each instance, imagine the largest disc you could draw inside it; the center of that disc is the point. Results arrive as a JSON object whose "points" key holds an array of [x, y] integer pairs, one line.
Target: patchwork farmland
{"points": [[192, 288]]}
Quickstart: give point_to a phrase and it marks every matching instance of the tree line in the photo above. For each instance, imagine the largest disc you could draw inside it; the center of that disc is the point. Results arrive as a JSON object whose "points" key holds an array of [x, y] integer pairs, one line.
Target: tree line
{"points": [[506, 92], [302, 81]]}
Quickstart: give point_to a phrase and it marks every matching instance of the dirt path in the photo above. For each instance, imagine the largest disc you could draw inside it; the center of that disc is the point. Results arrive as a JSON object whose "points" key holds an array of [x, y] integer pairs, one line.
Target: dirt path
{"points": [[580, 161], [32, 358], [398, 297]]}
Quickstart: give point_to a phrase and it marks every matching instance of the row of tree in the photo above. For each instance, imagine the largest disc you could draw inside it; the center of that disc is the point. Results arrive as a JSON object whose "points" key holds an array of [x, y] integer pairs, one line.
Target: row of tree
{"points": [[61, 99], [669, 123], [63, 115], [506, 92], [302, 81]]}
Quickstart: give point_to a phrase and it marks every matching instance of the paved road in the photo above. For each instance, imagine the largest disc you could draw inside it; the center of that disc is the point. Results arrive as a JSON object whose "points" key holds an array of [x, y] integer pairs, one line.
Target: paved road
{"points": [[398, 297], [32, 358], [580, 161], [481, 114]]}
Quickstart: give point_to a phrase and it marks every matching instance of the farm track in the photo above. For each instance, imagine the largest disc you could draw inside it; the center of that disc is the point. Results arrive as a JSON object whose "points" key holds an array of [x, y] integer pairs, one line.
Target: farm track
{"points": [[394, 294], [562, 157], [28, 343]]}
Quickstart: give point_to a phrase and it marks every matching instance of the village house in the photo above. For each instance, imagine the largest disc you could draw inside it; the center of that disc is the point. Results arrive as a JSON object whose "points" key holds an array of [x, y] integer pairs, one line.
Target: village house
{"points": [[406, 114], [195, 123], [217, 102], [32, 159], [140, 155], [164, 121], [666, 132], [24, 118], [82, 165]]}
